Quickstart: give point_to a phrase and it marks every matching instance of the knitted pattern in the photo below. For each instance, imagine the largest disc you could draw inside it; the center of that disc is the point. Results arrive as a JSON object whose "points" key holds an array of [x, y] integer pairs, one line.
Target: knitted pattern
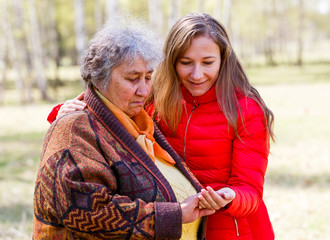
{"points": [[95, 182]]}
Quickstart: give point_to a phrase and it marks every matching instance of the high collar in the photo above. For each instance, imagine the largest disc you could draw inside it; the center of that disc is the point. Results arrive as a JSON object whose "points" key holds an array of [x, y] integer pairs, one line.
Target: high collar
{"points": [[108, 119], [207, 97]]}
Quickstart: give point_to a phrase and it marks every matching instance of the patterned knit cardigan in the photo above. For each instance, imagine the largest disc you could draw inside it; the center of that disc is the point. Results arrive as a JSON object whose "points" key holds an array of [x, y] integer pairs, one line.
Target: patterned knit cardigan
{"points": [[96, 182]]}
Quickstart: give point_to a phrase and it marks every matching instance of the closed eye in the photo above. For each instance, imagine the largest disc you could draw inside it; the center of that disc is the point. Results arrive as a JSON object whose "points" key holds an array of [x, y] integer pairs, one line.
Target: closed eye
{"points": [[132, 79], [185, 63]]}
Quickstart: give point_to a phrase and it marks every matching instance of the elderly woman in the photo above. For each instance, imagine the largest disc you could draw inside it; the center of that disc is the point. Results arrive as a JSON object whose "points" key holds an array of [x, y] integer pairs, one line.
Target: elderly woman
{"points": [[107, 172]]}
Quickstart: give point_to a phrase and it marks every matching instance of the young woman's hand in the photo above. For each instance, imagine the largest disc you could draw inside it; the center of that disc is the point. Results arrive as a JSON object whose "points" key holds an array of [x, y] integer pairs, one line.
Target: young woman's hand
{"points": [[191, 211], [215, 200], [72, 105]]}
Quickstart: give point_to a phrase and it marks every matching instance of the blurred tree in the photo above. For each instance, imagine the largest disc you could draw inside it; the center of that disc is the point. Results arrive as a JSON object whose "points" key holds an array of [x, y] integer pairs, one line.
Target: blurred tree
{"points": [[112, 9], [23, 47], [217, 9], [65, 18], [81, 41], [270, 37], [3, 51], [16, 47], [201, 5], [37, 35], [98, 14], [36, 51], [301, 17], [136, 8], [51, 43], [226, 11], [156, 16], [175, 12]]}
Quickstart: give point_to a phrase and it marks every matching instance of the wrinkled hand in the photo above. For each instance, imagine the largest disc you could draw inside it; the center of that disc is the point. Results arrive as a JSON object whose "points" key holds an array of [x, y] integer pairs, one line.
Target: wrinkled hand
{"points": [[191, 211], [72, 105], [210, 199]]}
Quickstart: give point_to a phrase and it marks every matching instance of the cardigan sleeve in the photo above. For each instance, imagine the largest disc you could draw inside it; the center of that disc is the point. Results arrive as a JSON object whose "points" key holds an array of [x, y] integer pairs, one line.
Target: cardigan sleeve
{"points": [[249, 160], [53, 114], [76, 188]]}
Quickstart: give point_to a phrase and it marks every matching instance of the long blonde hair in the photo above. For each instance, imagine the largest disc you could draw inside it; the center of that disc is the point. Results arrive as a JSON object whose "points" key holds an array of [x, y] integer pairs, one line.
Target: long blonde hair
{"points": [[166, 91]]}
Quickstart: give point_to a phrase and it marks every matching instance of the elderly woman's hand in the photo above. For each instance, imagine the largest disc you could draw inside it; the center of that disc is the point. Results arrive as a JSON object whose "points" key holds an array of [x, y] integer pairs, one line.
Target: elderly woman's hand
{"points": [[191, 210], [72, 105], [215, 200]]}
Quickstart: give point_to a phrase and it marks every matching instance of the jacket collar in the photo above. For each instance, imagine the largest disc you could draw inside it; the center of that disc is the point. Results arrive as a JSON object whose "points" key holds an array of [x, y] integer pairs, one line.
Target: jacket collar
{"points": [[100, 111], [209, 96]]}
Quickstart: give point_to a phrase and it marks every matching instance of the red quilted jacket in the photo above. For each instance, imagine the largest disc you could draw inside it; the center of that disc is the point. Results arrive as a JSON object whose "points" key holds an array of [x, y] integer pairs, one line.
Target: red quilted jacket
{"points": [[219, 159]]}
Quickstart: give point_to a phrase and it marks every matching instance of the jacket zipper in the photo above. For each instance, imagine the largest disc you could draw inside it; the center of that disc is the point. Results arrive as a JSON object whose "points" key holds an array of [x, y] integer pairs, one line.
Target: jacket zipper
{"points": [[236, 226], [185, 135]]}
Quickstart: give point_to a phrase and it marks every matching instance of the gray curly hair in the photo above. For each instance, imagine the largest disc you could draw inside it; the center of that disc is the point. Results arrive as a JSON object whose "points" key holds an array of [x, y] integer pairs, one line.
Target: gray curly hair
{"points": [[115, 43]]}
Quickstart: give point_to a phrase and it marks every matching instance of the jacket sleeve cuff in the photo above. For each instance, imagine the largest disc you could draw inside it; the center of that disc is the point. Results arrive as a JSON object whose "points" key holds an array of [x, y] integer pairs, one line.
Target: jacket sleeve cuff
{"points": [[168, 220], [53, 114]]}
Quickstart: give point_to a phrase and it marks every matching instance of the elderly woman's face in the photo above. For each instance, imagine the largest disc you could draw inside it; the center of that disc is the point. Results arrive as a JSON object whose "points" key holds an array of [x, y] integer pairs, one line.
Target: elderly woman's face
{"points": [[129, 86]]}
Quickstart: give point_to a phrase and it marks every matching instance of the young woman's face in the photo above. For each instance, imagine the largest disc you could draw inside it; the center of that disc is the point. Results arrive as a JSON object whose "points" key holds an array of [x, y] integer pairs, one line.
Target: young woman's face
{"points": [[199, 66], [129, 86]]}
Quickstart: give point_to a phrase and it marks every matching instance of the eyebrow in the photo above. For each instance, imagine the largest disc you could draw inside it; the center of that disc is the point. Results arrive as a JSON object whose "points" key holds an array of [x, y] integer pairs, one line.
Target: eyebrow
{"points": [[137, 72], [202, 58]]}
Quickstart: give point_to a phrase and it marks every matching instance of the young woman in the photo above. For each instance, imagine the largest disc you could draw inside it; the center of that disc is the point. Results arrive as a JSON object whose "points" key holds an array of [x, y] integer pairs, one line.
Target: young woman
{"points": [[217, 122]]}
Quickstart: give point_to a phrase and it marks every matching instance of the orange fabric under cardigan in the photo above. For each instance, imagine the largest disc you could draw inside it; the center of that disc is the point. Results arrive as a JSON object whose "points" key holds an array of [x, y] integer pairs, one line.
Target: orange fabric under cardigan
{"points": [[139, 126]]}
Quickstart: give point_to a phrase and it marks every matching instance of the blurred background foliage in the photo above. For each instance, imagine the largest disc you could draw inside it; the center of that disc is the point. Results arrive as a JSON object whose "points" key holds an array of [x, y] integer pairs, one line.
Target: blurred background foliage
{"points": [[40, 39], [284, 46]]}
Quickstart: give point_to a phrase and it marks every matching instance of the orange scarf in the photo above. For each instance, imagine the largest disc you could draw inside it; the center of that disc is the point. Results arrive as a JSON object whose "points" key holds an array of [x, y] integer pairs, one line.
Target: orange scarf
{"points": [[141, 127]]}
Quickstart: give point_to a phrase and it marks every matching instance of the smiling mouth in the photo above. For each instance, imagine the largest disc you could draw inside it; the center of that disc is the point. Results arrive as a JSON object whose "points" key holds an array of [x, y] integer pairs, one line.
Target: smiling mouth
{"points": [[197, 84]]}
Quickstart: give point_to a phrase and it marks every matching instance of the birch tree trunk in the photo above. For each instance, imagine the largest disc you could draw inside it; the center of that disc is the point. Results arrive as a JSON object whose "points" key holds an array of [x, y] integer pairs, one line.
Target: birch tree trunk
{"points": [[36, 52], [217, 9], [175, 12], [23, 48], [112, 9], [3, 52], [13, 51], [156, 16], [300, 33], [98, 14], [201, 6], [51, 37], [81, 41], [270, 17], [226, 13]]}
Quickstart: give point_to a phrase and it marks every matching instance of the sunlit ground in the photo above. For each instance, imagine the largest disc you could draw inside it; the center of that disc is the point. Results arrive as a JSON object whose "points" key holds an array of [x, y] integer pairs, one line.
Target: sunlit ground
{"points": [[298, 179]]}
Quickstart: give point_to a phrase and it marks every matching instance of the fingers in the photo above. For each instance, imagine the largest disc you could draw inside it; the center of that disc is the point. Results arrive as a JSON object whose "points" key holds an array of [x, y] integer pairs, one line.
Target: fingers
{"points": [[68, 110], [228, 196], [80, 96], [189, 209], [206, 212], [77, 104], [72, 105], [209, 200], [227, 193]]}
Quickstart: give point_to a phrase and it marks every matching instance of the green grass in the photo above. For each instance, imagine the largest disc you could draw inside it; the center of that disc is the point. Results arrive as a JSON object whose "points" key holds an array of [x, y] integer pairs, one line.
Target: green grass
{"points": [[298, 178], [21, 135], [285, 74]]}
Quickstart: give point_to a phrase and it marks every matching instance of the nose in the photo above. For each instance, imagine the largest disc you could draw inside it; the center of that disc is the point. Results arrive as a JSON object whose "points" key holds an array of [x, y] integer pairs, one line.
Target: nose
{"points": [[197, 72], [142, 89]]}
